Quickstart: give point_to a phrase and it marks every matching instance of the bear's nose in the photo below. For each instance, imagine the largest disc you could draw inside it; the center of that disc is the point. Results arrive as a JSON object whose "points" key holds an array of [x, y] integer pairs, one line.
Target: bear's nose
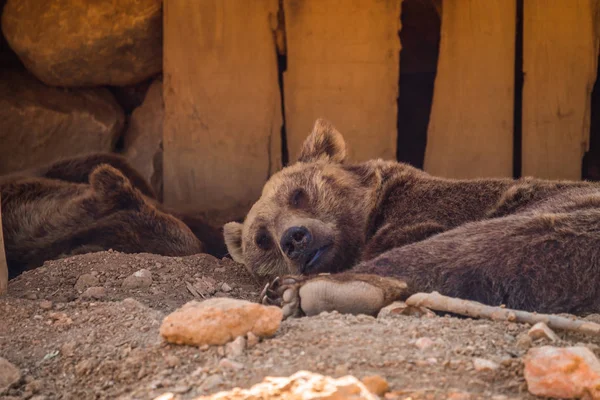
{"points": [[295, 241]]}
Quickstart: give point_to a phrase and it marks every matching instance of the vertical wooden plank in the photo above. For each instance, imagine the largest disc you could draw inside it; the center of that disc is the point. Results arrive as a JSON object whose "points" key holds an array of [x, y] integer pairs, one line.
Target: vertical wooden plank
{"points": [[343, 63], [560, 52], [222, 127], [470, 131], [3, 264]]}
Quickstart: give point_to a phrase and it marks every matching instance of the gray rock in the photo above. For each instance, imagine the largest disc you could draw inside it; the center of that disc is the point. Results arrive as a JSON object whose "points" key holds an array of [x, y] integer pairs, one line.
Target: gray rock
{"points": [[86, 281], [139, 279]]}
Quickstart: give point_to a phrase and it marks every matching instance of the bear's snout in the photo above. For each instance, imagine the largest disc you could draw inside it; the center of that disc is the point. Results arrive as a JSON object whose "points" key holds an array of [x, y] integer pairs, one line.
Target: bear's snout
{"points": [[296, 242]]}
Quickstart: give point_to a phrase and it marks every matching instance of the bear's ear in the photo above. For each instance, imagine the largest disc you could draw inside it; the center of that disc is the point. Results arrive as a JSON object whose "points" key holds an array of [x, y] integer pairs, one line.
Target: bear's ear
{"points": [[324, 143], [232, 231], [114, 189]]}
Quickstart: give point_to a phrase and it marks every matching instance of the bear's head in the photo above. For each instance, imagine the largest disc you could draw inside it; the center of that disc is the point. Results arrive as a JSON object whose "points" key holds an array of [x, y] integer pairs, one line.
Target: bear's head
{"points": [[311, 216], [128, 221]]}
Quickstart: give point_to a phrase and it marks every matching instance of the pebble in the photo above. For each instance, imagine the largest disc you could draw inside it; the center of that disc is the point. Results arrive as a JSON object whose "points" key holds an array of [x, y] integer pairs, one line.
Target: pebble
{"points": [[218, 321], [400, 308], [212, 382], [172, 361], [524, 341], [542, 331], [424, 343], [226, 288], [46, 305], [10, 374], [236, 348], [85, 281], [94, 292], [251, 340], [229, 364], [568, 372], [482, 364], [138, 280]]}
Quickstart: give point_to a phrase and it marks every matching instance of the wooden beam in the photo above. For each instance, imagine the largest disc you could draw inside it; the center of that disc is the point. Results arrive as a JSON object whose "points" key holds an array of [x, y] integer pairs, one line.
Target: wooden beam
{"points": [[3, 264], [560, 55], [470, 131], [343, 65], [222, 128]]}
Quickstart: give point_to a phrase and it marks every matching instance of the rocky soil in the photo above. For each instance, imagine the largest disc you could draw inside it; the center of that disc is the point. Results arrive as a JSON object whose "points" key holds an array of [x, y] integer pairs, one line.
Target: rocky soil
{"points": [[87, 327]]}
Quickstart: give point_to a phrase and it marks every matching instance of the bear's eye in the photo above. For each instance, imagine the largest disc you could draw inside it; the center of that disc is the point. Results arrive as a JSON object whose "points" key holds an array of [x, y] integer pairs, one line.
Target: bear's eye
{"points": [[263, 241], [299, 198]]}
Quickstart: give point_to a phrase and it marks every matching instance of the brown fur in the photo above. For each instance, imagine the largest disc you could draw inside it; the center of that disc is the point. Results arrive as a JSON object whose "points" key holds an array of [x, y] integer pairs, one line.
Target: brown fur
{"points": [[90, 203], [527, 243]]}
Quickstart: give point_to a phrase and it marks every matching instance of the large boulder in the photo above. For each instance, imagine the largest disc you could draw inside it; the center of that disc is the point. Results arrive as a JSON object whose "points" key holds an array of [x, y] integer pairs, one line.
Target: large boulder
{"points": [[86, 42], [143, 139], [39, 124]]}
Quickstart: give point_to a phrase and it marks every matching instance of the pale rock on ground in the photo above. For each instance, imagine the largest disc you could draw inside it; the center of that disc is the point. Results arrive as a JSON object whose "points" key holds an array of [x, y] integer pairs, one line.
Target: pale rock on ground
{"points": [[116, 43], [301, 385], [571, 372], [139, 279], [542, 331], [219, 320]]}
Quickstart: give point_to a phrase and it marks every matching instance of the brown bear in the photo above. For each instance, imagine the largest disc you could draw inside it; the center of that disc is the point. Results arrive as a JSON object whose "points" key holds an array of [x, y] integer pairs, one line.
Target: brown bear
{"points": [[90, 203], [528, 244]]}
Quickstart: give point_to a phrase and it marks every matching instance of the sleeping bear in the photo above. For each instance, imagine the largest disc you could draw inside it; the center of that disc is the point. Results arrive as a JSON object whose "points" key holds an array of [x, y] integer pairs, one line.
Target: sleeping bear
{"points": [[355, 237], [91, 203]]}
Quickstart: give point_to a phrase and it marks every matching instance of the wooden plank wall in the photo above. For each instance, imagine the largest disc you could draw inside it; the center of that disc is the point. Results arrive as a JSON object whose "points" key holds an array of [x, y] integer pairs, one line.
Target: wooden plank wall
{"points": [[222, 102], [560, 55], [223, 99], [470, 131], [343, 64]]}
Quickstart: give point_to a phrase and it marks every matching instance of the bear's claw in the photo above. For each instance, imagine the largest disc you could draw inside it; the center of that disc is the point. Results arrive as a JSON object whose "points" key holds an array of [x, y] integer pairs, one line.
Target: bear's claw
{"points": [[283, 292], [345, 293]]}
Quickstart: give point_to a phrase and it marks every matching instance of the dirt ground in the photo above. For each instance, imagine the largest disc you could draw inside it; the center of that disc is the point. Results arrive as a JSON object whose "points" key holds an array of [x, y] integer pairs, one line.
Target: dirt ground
{"points": [[69, 346]]}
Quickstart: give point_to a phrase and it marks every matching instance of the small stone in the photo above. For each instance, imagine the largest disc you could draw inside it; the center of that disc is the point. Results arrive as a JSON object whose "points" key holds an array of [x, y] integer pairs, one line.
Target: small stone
{"points": [[251, 340], [341, 370], [9, 374], [400, 308], [524, 342], [94, 292], [84, 367], [228, 364], [31, 296], [481, 364], [424, 343], [212, 382], [35, 386], [85, 281], [138, 280], [226, 288], [376, 384], [236, 348], [217, 321], [542, 331], [570, 372], [172, 361], [46, 305], [68, 349]]}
